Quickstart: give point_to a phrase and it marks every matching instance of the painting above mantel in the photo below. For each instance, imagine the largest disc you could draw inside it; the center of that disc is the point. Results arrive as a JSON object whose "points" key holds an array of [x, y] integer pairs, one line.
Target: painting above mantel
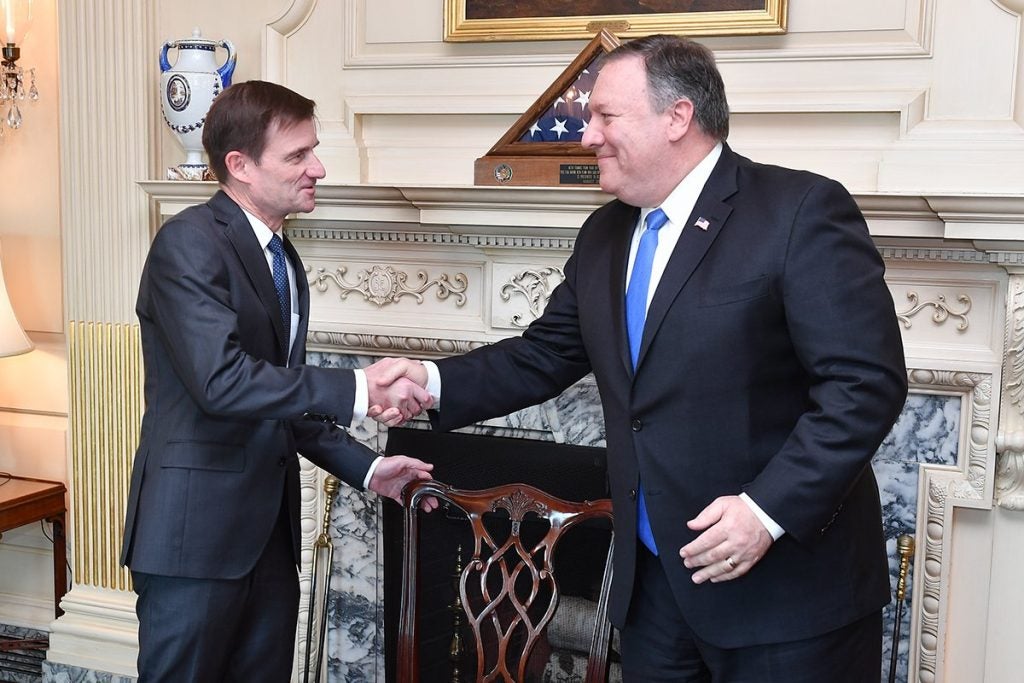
{"points": [[495, 20]]}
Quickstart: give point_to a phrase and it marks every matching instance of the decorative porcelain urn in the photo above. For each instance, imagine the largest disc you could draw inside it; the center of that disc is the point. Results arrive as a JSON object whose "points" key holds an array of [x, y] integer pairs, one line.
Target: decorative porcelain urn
{"points": [[187, 90]]}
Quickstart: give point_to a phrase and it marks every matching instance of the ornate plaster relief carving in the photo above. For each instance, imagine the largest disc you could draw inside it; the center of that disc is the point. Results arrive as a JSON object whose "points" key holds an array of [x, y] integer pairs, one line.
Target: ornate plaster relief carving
{"points": [[383, 285], [942, 310], [536, 286], [1010, 442]]}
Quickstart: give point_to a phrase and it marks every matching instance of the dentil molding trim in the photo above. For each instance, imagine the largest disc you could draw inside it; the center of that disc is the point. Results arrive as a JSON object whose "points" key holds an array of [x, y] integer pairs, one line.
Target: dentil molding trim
{"points": [[964, 228]]}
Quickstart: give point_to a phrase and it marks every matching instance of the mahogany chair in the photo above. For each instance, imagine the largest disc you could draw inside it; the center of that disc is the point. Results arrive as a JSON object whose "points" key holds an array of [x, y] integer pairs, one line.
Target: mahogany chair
{"points": [[508, 587]]}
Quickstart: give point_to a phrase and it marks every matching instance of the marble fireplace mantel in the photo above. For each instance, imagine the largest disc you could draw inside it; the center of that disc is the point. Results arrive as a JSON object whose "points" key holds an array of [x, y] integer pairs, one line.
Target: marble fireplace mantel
{"points": [[558, 212], [478, 263], [430, 271]]}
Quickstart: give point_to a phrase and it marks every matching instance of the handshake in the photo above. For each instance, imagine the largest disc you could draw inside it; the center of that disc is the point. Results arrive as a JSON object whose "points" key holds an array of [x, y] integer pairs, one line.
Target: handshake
{"points": [[396, 390]]}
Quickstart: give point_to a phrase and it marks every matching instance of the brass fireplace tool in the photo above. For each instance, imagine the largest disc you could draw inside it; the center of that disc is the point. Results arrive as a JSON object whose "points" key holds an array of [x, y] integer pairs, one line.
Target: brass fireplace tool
{"points": [[319, 579], [905, 547], [455, 649]]}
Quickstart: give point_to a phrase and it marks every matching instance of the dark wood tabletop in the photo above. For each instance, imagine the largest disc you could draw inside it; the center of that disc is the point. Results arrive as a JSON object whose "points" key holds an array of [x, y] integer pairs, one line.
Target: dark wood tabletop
{"points": [[24, 500]]}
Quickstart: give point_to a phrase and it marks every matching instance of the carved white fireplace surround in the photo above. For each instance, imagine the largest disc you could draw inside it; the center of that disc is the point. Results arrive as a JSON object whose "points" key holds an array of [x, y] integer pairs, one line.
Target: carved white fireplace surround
{"points": [[432, 271]]}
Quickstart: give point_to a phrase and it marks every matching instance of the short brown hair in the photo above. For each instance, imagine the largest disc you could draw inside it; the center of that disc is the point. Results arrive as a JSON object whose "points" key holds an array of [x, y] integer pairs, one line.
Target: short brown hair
{"points": [[241, 116]]}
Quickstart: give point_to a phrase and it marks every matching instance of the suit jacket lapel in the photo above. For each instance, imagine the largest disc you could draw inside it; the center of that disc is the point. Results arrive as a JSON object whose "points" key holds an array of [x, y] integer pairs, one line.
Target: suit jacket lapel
{"points": [[239, 233], [623, 223], [693, 243], [302, 290]]}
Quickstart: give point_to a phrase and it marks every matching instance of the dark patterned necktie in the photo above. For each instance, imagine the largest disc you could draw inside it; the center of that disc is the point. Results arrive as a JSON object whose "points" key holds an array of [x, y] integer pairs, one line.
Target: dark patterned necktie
{"points": [[284, 297]]}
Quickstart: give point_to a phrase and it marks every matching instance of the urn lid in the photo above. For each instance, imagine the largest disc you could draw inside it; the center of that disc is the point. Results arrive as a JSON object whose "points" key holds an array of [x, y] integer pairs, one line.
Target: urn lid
{"points": [[196, 42]]}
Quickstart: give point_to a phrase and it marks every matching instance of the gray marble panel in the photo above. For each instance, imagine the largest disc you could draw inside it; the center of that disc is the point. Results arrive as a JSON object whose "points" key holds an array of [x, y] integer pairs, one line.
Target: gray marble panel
{"points": [[355, 616], [580, 419], [926, 433], [355, 613], [21, 666], [63, 673], [573, 417], [337, 360]]}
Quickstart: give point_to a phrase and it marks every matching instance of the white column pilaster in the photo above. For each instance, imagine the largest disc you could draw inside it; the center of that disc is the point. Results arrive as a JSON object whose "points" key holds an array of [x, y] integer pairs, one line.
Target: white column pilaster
{"points": [[107, 121]]}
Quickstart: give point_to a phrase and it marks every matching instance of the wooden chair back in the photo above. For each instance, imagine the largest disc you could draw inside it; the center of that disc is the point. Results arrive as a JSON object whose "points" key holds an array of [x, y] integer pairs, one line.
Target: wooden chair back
{"points": [[508, 587]]}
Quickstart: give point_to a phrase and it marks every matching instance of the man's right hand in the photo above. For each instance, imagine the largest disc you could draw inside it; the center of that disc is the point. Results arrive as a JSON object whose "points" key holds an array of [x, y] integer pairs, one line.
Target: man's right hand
{"points": [[396, 390]]}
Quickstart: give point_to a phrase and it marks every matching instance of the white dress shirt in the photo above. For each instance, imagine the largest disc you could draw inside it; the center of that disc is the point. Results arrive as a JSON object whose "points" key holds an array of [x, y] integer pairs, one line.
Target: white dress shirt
{"points": [[264, 234]]}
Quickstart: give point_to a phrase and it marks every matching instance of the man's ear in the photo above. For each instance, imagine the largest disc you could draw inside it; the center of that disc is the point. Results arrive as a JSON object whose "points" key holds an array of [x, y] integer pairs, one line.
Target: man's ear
{"points": [[238, 165], [680, 119]]}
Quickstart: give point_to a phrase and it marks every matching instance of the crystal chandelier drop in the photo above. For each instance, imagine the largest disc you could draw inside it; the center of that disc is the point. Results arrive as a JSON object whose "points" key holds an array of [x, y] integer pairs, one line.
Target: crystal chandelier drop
{"points": [[15, 18]]}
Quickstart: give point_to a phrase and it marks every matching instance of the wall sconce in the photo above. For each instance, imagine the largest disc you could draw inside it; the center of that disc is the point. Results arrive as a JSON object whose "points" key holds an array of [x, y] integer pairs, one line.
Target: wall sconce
{"points": [[15, 20], [13, 339]]}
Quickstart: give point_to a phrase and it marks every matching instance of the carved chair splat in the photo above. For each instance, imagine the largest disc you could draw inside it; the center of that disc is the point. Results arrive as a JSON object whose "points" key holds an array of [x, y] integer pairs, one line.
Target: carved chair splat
{"points": [[508, 588]]}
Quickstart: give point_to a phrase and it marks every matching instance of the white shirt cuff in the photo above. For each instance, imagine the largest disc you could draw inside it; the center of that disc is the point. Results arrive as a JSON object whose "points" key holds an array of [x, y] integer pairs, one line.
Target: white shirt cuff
{"points": [[774, 529], [369, 472], [360, 404], [433, 381]]}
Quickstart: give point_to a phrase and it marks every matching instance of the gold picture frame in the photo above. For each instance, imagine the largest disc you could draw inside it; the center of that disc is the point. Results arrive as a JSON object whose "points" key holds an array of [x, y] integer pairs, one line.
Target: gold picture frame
{"points": [[465, 20]]}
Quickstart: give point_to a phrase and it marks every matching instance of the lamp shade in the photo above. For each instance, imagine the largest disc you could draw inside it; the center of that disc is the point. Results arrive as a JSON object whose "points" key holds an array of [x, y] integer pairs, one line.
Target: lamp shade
{"points": [[13, 339], [15, 19]]}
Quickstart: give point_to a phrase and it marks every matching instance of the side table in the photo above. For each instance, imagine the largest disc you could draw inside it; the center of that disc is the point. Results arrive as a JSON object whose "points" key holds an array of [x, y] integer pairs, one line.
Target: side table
{"points": [[24, 501]]}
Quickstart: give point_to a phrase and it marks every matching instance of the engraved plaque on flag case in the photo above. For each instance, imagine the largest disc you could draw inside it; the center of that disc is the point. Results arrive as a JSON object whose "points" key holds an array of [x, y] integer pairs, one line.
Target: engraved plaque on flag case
{"points": [[543, 147]]}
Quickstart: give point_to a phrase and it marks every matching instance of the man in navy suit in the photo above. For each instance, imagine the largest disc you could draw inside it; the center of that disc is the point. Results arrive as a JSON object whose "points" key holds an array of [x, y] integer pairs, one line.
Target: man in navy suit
{"points": [[212, 529], [749, 364]]}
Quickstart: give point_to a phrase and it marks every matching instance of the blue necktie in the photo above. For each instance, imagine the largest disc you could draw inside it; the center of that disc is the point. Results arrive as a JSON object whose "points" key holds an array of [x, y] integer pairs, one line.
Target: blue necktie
{"points": [[636, 315], [276, 247]]}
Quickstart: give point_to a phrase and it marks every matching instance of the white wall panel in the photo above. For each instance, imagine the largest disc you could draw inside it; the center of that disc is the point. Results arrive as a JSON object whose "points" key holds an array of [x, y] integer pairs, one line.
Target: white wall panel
{"points": [[845, 16], [975, 61]]}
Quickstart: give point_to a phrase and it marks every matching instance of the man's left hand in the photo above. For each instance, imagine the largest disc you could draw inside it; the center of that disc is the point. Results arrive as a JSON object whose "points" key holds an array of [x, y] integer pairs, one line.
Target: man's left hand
{"points": [[734, 540], [394, 472]]}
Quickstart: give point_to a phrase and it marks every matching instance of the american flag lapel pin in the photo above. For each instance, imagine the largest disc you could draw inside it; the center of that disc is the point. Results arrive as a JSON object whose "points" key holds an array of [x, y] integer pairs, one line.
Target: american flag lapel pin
{"points": [[702, 223]]}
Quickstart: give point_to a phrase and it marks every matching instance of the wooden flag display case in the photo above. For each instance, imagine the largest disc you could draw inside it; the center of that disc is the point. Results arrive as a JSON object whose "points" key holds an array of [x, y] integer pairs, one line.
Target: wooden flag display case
{"points": [[542, 148]]}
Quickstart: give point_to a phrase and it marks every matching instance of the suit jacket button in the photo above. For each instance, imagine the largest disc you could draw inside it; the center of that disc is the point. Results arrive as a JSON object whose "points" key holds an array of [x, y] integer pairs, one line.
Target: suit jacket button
{"points": [[637, 425], [282, 462], [632, 494]]}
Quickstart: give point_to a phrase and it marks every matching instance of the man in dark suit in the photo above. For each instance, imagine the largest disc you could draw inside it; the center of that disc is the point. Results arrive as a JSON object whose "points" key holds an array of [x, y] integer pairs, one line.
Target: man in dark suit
{"points": [[749, 364], [212, 530]]}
